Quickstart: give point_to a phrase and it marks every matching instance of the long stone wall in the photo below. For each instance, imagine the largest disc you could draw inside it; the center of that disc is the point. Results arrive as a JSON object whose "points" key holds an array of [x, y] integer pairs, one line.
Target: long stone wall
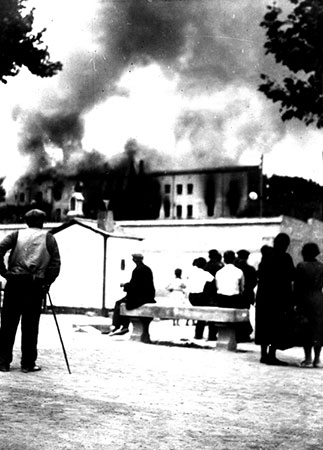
{"points": [[169, 244]]}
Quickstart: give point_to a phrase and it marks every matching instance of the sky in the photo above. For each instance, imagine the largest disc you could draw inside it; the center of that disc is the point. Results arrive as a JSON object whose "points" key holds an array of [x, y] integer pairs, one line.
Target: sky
{"points": [[172, 81]]}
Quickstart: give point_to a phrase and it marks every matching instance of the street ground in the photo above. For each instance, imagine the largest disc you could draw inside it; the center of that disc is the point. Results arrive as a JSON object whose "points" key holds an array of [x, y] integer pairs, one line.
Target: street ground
{"points": [[125, 395]]}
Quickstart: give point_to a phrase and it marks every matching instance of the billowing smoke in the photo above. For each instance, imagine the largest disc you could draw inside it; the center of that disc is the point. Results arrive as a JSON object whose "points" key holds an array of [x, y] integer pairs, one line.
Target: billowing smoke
{"points": [[209, 47]]}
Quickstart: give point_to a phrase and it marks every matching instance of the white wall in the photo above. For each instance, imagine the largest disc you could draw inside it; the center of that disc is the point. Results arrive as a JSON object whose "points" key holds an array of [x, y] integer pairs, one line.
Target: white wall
{"points": [[80, 281], [175, 243], [166, 246]]}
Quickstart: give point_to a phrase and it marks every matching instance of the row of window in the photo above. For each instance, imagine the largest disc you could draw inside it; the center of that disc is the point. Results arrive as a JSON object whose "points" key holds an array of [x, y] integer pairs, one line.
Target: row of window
{"points": [[179, 189], [179, 212], [22, 197]]}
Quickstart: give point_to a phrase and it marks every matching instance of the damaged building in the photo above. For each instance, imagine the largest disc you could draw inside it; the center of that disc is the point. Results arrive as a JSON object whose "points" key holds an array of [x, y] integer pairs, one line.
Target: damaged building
{"points": [[134, 194], [208, 193]]}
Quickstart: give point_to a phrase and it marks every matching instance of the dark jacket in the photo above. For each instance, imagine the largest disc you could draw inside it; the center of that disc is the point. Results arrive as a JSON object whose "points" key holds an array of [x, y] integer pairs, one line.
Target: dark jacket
{"points": [[250, 282], [140, 289]]}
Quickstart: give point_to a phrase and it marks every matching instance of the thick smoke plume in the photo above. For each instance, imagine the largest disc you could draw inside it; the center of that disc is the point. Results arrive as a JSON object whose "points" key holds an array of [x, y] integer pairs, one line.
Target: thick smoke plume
{"points": [[208, 45]]}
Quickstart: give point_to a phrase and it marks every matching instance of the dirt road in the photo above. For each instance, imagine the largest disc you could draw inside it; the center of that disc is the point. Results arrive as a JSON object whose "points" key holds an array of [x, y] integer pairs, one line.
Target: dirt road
{"points": [[124, 395]]}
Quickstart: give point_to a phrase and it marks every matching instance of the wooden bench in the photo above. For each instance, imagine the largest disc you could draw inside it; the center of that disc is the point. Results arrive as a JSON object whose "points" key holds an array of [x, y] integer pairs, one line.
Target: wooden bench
{"points": [[226, 319]]}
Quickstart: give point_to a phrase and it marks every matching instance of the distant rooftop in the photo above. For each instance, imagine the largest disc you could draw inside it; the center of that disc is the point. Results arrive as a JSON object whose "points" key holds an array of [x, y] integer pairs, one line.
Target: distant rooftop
{"points": [[205, 170]]}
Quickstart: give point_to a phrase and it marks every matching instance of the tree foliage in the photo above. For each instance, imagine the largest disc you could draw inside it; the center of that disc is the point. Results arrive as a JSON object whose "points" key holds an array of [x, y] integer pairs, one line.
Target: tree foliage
{"points": [[2, 191], [296, 42], [19, 46]]}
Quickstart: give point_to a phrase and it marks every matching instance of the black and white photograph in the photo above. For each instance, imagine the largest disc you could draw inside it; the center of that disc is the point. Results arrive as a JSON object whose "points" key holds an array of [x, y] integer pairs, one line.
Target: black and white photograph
{"points": [[161, 224]]}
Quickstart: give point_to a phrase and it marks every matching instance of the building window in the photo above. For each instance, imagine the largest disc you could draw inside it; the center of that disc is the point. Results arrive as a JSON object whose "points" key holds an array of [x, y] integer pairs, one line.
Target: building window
{"points": [[22, 197], [167, 188], [179, 189], [58, 215], [179, 211], [190, 189], [189, 211], [167, 207], [73, 204], [58, 191]]}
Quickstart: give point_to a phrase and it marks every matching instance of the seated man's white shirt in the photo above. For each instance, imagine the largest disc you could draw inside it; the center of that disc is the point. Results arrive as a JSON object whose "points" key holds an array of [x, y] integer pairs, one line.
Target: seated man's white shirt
{"points": [[229, 280], [197, 279]]}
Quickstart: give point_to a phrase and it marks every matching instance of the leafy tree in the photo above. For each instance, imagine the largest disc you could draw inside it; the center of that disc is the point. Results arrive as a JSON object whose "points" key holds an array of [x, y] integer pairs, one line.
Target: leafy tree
{"points": [[19, 46], [292, 196], [295, 41], [2, 191]]}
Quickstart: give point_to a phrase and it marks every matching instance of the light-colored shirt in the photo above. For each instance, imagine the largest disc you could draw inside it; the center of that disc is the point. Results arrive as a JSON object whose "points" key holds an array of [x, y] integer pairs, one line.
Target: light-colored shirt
{"points": [[197, 279], [229, 280]]}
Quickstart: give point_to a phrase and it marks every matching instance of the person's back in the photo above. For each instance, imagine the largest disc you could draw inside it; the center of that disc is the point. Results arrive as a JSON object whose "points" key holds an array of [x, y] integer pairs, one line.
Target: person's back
{"points": [[274, 300], [214, 263], [198, 294], [230, 287], [250, 277], [308, 294], [282, 274], [198, 277], [229, 280], [33, 265], [140, 289], [30, 255]]}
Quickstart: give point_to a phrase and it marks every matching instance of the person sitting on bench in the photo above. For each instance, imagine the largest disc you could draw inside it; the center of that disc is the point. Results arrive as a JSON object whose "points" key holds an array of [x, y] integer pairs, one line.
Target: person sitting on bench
{"points": [[140, 290], [199, 283], [230, 284]]}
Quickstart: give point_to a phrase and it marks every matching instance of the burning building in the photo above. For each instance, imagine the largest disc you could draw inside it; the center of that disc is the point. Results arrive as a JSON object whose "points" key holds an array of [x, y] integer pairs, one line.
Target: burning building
{"points": [[134, 194], [208, 193], [178, 77]]}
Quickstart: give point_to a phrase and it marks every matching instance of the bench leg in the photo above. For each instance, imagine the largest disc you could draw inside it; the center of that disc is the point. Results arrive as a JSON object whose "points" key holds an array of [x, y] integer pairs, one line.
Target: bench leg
{"points": [[226, 339], [140, 330]]}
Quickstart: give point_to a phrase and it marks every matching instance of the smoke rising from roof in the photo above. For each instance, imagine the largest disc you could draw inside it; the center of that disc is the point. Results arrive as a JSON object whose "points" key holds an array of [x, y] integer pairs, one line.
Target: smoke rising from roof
{"points": [[210, 52]]}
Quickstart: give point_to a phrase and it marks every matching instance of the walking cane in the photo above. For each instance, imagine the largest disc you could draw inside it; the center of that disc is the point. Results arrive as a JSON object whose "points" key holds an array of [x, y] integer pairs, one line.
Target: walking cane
{"points": [[59, 333]]}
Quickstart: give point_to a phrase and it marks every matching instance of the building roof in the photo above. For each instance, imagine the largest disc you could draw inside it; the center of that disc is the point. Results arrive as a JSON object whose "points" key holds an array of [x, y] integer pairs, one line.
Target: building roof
{"points": [[208, 170], [91, 225]]}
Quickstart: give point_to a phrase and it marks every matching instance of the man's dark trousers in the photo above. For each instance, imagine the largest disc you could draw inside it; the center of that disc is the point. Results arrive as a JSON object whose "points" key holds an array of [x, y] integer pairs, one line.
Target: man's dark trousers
{"points": [[23, 299], [119, 321]]}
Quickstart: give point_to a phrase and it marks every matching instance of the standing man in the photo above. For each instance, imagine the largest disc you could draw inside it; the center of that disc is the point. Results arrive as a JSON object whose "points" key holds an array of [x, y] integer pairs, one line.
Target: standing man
{"points": [[140, 290], [33, 265], [274, 300]]}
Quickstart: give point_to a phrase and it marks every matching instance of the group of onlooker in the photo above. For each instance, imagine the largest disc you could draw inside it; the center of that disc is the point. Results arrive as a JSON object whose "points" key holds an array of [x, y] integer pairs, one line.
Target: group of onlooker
{"points": [[289, 302], [286, 298], [225, 282], [230, 282]]}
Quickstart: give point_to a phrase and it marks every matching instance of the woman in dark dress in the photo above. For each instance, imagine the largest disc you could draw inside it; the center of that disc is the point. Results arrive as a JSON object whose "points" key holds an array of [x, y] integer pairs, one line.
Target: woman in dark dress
{"points": [[274, 301], [309, 297]]}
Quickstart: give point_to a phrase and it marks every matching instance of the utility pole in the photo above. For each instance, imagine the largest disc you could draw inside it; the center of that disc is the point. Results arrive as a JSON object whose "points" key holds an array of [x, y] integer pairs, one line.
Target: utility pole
{"points": [[261, 185]]}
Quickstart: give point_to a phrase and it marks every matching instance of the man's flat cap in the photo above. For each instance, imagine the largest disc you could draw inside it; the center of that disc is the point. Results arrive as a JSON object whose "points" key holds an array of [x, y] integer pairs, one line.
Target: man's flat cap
{"points": [[138, 256], [35, 214]]}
